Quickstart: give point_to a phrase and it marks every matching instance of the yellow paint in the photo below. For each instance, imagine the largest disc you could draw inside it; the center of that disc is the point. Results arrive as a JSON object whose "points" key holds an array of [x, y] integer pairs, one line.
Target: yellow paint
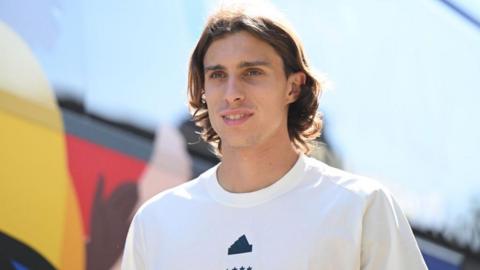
{"points": [[29, 111], [33, 186], [38, 203], [73, 250]]}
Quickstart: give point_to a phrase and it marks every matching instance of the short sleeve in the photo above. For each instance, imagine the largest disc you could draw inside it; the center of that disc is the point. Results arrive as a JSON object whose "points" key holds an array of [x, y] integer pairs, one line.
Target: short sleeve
{"points": [[134, 248], [387, 239]]}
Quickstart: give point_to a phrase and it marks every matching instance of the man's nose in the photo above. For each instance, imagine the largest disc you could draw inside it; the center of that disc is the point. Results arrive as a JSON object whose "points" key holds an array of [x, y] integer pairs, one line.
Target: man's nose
{"points": [[234, 92]]}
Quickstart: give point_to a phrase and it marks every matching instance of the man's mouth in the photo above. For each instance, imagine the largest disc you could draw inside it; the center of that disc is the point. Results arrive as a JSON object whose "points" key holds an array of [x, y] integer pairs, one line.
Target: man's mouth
{"points": [[236, 117]]}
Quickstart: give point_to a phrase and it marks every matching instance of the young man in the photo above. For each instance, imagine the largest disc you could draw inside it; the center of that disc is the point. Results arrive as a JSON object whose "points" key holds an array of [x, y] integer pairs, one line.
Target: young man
{"points": [[266, 205]]}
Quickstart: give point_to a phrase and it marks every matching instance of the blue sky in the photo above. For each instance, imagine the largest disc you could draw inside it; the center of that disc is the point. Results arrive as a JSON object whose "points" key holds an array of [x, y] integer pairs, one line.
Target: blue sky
{"points": [[401, 107]]}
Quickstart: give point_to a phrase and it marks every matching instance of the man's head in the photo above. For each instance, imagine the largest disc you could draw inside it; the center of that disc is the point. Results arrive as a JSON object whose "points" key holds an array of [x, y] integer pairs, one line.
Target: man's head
{"points": [[248, 74]]}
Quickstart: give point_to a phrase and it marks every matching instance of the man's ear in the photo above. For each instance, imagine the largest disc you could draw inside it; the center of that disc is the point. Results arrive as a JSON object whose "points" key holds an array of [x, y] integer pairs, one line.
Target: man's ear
{"points": [[294, 83]]}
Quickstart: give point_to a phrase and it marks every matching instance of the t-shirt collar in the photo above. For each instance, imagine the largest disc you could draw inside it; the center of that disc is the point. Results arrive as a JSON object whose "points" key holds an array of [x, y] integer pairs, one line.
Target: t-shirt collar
{"points": [[250, 199]]}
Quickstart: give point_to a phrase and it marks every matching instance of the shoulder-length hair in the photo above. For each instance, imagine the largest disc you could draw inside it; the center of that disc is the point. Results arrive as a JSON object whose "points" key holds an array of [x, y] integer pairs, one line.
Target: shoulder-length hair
{"points": [[304, 123]]}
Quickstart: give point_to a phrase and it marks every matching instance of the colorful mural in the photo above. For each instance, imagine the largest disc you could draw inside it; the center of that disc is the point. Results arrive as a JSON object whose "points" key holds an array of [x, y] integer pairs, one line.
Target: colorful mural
{"points": [[69, 185], [41, 224]]}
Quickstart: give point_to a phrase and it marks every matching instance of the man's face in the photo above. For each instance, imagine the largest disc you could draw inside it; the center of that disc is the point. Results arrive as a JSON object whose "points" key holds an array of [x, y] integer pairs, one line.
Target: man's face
{"points": [[247, 92]]}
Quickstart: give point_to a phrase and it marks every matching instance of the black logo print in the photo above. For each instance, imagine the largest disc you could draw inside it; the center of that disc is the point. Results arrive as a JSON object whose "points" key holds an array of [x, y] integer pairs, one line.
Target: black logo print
{"points": [[240, 246]]}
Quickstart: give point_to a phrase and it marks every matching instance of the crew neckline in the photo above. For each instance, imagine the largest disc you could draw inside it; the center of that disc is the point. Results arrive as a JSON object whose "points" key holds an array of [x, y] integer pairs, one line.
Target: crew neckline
{"points": [[249, 199]]}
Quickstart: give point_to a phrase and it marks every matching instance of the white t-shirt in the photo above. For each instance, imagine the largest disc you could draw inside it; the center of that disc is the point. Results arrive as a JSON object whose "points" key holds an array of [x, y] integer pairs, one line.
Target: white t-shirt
{"points": [[314, 217]]}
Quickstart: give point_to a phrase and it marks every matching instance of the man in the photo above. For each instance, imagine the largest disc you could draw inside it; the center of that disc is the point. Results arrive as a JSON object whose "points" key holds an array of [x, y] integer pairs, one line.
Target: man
{"points": [[266, 205]]}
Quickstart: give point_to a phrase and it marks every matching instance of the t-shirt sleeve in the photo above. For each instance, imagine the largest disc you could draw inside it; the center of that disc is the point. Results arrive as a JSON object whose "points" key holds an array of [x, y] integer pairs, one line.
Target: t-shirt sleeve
{"points": [[134, 248], [387, 239]]}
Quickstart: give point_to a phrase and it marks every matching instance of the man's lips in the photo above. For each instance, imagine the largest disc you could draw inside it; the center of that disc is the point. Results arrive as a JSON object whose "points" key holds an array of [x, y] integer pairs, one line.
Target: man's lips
{"points": [[235, 117]]}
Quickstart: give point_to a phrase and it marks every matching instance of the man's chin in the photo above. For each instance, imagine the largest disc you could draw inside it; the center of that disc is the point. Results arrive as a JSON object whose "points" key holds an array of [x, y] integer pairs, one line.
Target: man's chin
{"points": [[240, 143]]}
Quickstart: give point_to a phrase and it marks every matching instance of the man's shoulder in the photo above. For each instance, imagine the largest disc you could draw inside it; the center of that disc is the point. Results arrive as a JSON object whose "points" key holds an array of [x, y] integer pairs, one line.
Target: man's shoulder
{"points": [[351, 183], [178, 196]]}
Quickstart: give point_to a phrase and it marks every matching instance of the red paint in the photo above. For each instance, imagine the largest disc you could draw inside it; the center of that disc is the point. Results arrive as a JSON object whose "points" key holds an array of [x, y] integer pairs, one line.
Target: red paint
{"points": [[88, 160]]}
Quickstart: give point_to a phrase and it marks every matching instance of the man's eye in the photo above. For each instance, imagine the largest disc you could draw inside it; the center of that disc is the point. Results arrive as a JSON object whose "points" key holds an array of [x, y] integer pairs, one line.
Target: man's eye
{"points": [[217, 75], [253, 72]]}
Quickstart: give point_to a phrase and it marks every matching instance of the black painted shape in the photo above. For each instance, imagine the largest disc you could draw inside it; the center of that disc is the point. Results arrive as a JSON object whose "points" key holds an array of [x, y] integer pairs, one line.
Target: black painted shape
{"points": [[109, 222], [240, 246], [14, 250]]}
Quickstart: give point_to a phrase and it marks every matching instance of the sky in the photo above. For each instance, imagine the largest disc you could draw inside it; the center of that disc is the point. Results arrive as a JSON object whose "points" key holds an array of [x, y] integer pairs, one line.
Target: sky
{"points": [[400, 106]]}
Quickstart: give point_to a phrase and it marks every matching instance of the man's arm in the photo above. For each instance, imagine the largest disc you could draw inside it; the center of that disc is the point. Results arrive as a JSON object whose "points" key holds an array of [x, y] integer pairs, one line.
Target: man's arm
{"points": [[387, 239], [134, 247]]}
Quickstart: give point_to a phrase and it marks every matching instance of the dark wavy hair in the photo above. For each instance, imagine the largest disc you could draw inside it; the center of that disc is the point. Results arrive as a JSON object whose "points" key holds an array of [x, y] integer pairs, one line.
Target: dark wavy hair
{"points": [[304, 123]]}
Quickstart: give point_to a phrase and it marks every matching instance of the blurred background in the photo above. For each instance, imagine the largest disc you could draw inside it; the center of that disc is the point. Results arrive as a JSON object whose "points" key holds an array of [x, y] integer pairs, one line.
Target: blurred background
{"points": [[93, 117]]}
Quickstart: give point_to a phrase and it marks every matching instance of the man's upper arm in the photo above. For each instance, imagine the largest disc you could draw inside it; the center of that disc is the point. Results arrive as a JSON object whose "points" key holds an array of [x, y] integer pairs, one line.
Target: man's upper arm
{"points": [[134, 247], [387, 239]]}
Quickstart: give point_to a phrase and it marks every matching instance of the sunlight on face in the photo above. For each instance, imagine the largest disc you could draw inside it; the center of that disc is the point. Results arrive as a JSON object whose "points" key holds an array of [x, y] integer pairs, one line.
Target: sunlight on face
{"points": [[246, 91]]}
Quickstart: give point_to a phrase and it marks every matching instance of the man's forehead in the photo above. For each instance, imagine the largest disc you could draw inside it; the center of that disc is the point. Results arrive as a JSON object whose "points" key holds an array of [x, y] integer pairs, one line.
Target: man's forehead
{"points": [[240, 49]]}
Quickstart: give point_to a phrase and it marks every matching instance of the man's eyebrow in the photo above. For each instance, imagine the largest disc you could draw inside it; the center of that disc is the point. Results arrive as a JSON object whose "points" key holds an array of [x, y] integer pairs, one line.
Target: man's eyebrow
{"points": [[245, 64], [214, 67]]}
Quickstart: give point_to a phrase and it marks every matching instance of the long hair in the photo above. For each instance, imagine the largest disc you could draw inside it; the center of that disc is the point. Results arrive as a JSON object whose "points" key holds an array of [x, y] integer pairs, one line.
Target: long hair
{"points": [[304, 123]]}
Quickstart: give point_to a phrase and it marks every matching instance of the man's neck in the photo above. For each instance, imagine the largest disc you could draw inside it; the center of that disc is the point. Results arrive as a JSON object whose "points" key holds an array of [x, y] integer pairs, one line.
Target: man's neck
{"points": [[249, 170]]}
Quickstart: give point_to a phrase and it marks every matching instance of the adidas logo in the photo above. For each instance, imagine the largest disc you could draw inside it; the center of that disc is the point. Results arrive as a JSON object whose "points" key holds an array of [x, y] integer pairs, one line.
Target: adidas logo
{"points": [[240, 246]]}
